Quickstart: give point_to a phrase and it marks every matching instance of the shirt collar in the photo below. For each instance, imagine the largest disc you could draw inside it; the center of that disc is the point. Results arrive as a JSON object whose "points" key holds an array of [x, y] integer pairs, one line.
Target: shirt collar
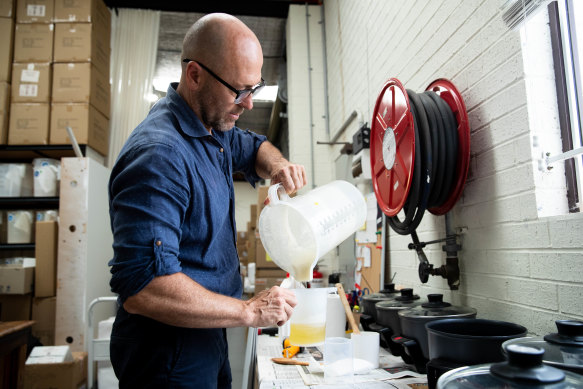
{"points": [[190, 124]]}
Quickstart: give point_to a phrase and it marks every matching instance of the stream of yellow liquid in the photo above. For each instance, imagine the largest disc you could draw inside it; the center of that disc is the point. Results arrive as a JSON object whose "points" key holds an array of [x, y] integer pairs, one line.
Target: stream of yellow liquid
{"points": [[307, 334], [302, 272]]}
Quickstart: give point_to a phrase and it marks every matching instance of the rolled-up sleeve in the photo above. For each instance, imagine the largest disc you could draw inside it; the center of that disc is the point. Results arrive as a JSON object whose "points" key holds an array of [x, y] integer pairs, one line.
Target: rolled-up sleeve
{"points": [[149, 196], [244, 146]]}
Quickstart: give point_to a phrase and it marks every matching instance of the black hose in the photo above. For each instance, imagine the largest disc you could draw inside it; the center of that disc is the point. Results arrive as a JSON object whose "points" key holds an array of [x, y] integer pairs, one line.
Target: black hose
{"points": [[436, 148]]}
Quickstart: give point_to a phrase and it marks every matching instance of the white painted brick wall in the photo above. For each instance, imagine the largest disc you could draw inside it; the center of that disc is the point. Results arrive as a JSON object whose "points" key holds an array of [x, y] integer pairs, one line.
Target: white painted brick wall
{"points": [[305, 61], [518, 263]]}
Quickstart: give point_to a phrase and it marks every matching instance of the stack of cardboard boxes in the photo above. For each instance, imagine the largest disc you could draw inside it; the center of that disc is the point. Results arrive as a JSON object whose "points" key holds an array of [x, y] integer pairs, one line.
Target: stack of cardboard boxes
{"points": [[45, 282], [59, 73], [6, 52], [251, 250], [242, 248], [28, 285]]}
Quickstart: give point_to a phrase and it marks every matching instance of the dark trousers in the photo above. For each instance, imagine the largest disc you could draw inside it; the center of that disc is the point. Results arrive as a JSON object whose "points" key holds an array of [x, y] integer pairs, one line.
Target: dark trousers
{"points": [[148, 354]]}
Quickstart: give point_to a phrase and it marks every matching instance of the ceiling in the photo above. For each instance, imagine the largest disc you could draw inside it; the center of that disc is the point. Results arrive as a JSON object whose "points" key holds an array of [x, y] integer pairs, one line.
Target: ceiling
{"points": [[266, 18], [266, 8]]}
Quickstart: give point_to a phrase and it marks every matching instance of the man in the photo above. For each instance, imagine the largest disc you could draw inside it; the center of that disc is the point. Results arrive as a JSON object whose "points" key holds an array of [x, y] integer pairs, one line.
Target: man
{"points": [[175, 264]]}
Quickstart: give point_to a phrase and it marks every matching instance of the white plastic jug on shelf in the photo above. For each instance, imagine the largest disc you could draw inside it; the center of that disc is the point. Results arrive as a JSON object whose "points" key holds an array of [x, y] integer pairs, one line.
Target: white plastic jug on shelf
{"points": [[47, 174], [298, 231]]}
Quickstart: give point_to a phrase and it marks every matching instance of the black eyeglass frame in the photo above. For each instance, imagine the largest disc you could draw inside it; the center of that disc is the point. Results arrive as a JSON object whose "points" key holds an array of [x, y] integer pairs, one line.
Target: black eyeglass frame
{"points": [[240, 93]]}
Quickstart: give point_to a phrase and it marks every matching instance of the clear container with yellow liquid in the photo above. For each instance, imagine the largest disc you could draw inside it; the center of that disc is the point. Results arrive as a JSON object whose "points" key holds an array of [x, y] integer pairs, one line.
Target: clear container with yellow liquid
{"points": [[308, 321]]}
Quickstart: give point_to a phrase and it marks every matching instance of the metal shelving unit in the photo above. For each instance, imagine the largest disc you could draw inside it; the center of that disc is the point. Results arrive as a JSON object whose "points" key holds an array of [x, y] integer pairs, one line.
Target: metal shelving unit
{"points": [[26, 153], [29, 203], [17, 246], [20, 153]]}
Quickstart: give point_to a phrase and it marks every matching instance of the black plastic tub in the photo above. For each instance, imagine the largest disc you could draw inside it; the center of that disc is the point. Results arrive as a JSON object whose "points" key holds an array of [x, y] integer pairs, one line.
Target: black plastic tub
{"points": [[470, 341]]}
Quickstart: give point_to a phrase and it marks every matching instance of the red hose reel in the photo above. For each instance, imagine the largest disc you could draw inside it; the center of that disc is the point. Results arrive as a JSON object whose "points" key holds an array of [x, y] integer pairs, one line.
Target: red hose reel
{"points": [[392, 145], [420, 156]]}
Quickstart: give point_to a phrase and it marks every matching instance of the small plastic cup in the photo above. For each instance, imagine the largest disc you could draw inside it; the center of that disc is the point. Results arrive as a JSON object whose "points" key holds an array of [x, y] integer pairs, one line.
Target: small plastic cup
{"points": [[366, 351], [338, 360]]}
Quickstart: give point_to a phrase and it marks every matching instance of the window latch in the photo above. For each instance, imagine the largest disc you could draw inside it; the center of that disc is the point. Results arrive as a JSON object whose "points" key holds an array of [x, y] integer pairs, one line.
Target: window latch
{"points": [[549, 160]]}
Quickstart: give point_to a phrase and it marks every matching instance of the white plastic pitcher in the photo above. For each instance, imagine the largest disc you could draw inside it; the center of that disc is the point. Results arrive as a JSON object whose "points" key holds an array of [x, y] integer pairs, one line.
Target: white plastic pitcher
{"points": [[298, 231]]}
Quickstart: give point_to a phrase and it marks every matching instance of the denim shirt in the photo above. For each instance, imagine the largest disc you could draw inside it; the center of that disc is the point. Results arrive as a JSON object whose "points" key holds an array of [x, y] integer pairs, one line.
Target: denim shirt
{"points": [[171, 200]]}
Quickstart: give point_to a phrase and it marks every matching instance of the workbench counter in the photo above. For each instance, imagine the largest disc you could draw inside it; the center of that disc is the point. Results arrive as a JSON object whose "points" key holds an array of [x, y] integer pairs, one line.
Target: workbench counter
{"points": [[393, 372]]}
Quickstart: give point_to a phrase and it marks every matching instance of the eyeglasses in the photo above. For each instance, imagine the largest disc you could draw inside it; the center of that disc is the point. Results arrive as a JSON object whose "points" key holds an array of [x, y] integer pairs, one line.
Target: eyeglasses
{"points": [[240, 93]]}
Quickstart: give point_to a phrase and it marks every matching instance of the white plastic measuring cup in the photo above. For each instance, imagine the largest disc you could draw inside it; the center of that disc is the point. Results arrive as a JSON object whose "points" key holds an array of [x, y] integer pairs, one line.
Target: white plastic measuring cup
{"points": [[308, 321], [298, 231]]}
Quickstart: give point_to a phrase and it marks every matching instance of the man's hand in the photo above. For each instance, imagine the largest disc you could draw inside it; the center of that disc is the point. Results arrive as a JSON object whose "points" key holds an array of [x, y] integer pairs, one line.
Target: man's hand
{"points": [[270, 163], [291, 176], [272, 306]]}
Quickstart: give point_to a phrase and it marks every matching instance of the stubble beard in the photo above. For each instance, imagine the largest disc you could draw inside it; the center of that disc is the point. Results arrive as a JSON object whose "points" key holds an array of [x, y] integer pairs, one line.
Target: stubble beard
{"points": [[218, 122]]}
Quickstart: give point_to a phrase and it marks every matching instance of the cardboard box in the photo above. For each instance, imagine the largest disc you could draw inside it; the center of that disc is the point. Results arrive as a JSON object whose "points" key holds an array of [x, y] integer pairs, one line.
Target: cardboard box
{"points": [[270, 273], [82, 42], [35, 11], [31, 83], [7, 8], [4, 111], [89, 11], [65, 375], [29, 124], [46, 258], [6, 48], [43, 314], [262, 259], [241, 245], [49, 354], [251, 248], [89, 126], [243, 256], [16, 279], [15, 307], [261, 196], [253, 216], [81, 83], [252, 232], [267, 282], [33, 42]]}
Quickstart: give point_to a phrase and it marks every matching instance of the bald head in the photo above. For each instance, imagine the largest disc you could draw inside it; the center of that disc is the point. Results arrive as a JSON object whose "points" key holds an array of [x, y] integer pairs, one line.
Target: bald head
{"points": [[225, 57], [220, 40]]}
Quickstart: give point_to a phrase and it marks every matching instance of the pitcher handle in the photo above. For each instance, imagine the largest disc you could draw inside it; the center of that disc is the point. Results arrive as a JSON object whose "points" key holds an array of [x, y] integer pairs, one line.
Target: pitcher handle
{"points": [[276, 195]]}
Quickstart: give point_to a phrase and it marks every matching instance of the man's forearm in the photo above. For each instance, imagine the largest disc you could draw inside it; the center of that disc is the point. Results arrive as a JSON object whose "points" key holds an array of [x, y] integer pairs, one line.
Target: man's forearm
{"points": [[179, 301], [268, 157], [271, 164]]}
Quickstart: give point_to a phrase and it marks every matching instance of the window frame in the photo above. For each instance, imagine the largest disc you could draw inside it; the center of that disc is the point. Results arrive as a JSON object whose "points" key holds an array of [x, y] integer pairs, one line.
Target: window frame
{"points": [[569, 87]]}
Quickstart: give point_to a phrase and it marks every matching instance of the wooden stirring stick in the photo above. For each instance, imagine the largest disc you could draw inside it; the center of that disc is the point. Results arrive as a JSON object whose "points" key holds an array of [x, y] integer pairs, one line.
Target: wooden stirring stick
{"points": [[286, 361], [349, 315]]}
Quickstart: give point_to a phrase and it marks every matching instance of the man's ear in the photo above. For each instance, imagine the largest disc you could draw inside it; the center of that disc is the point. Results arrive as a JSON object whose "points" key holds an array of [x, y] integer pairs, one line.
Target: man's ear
{"points": [[192, 75]]}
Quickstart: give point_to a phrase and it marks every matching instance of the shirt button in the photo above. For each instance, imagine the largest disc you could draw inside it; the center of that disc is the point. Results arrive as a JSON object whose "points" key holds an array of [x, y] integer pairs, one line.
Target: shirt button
{"points": [[221, 150], [158, 243]]}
